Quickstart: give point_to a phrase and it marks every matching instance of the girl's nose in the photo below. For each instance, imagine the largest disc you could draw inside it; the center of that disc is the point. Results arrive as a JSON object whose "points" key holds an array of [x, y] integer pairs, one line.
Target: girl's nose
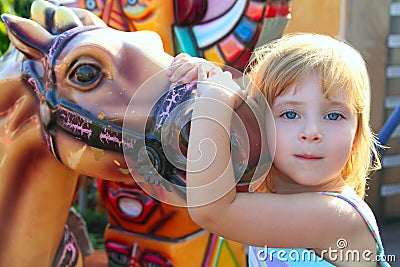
{"points": [[310, 133]]}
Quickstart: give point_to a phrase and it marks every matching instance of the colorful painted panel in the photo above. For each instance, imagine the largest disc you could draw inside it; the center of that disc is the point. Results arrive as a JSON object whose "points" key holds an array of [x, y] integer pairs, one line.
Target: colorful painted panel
{"points": [[222, 31]]}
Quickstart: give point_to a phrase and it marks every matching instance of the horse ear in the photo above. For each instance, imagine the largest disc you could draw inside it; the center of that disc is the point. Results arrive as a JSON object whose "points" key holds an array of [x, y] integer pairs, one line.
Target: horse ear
{"points": [[27, 36], [87, 17]]}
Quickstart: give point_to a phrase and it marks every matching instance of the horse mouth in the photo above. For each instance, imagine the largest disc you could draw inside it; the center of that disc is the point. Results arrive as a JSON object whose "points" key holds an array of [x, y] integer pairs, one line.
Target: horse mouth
{"points": [[102, 134]]}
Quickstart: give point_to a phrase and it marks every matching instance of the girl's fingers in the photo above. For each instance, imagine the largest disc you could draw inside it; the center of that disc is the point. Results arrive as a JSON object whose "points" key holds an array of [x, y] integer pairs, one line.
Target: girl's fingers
{"points": [[190, 76], [215, 70], [188, 69], [184, 68], [201, 73], [183, 57], [177, 62]]}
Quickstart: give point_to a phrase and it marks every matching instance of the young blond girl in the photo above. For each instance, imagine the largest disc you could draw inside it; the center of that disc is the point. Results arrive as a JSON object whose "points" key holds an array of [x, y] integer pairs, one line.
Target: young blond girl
{"points": [[318, 91]]}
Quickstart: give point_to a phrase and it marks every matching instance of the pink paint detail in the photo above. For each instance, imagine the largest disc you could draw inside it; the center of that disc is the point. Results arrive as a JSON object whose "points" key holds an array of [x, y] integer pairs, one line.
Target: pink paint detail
{"points": [[70, 253], [107, 138], [33, 83], [170, 99], [83, 127], [210, 249], [120, 248]]}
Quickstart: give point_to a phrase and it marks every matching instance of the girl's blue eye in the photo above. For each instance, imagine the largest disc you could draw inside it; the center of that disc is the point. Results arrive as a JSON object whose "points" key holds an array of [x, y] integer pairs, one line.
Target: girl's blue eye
{"points": [[290, 115], [334, 116]]}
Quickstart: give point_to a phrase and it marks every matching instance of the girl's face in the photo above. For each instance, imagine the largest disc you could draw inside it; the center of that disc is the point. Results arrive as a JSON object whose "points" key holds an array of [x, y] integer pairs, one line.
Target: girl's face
{"points": [[314, 138]]}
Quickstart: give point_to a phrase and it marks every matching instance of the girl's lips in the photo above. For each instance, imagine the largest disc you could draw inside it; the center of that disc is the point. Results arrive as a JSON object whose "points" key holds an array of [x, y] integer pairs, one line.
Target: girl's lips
{"points": [[307, 157]]}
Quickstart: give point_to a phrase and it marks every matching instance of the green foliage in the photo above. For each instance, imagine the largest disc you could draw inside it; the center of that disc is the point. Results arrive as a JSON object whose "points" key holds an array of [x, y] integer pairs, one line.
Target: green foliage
{"points": [[4, 42], [22, 7], [95, 221], [96, 224], [97, 241], [7, 6], [16, 7]]}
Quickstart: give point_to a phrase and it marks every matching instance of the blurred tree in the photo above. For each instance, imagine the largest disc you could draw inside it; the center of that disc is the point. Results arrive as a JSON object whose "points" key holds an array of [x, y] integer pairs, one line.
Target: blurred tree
{"points": [[22, 7], [17, 7], [4, 42]]}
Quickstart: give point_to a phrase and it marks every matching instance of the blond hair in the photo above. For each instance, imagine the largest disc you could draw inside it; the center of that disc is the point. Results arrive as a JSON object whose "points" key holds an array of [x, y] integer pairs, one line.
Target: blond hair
{"points": [[286, 61]]}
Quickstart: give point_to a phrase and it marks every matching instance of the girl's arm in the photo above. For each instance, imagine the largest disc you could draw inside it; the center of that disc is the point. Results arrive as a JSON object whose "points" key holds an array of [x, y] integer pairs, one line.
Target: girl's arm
{"points": [[210, 176], [276, 220]]}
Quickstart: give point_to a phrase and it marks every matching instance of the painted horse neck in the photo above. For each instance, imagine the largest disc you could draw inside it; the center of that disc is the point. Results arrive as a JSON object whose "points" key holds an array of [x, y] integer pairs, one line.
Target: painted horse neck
{"points": [[35, 189]]}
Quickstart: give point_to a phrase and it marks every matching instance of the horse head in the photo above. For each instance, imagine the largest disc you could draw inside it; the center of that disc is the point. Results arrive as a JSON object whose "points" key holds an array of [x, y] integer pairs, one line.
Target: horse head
{"points": [[84, 83]]}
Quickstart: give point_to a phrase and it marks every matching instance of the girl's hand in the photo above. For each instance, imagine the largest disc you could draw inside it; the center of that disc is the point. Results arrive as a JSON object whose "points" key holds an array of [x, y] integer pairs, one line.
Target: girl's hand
{"points": [[184, 68], [219, 85], [214, 82]]}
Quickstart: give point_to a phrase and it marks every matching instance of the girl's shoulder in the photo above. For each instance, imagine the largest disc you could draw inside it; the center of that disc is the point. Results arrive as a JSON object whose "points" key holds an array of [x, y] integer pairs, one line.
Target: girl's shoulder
{"points": [[351, 197]]}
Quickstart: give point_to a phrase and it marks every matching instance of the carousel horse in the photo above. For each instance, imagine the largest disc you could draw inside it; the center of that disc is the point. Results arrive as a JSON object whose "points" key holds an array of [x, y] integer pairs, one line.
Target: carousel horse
{"points": [[64, 115]]}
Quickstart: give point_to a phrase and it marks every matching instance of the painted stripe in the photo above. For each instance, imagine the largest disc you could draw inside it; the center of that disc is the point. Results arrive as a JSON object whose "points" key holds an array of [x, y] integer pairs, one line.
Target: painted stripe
{"points": [[394, 41], [393, 71], [395, 9], [390, 161], [390, 190], [392, 101]]}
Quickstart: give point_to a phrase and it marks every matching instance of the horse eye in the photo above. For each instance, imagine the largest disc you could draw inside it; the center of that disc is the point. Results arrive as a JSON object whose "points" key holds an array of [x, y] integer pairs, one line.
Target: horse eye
{"points": [[85, 74]]}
